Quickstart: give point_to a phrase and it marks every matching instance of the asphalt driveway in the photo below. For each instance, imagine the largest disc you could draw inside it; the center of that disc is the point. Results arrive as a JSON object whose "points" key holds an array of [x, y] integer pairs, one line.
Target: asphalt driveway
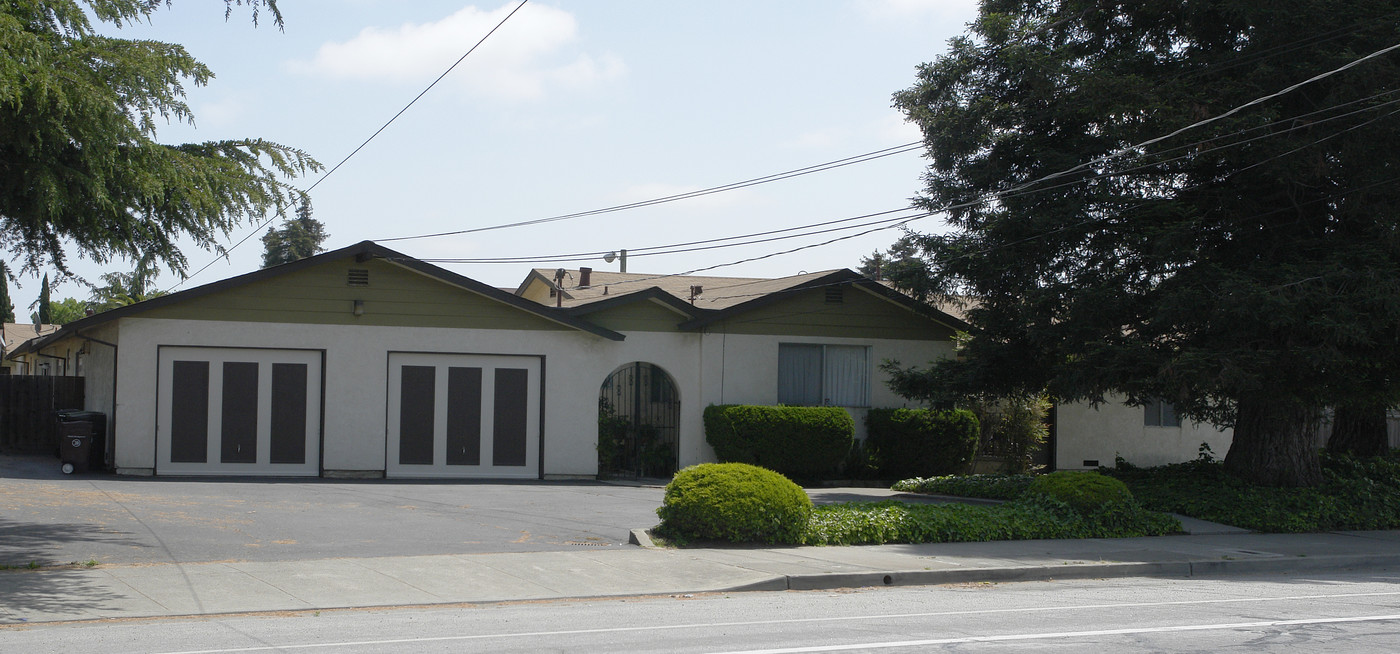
{"points": [[51, 518]]}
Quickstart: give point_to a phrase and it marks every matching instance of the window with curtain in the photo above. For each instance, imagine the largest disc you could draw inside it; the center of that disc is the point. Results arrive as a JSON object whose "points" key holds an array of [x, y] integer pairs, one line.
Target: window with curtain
{"points": [[823, 375]]}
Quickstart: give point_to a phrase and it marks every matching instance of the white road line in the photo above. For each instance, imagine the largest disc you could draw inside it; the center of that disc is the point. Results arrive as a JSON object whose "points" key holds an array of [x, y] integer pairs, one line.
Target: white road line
{"points": [[749, 623], [1062, 634]]}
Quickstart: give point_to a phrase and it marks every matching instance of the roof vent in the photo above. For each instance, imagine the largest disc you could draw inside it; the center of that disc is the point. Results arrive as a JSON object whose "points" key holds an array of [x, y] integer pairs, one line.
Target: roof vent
{"points": [[834, 295], [357, 277]]}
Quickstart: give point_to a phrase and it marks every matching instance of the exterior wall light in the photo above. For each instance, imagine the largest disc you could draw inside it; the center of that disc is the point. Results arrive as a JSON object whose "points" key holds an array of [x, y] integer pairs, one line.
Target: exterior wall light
{"points": [[359, 309]]}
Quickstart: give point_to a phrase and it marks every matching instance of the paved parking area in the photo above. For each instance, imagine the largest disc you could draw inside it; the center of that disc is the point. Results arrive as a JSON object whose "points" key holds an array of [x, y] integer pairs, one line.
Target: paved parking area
{"points": [[48, 517]]}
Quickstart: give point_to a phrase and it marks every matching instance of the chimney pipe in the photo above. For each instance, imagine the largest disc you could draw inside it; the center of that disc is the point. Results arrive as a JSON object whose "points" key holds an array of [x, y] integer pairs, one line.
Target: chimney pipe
{"points": [[584, 277]]}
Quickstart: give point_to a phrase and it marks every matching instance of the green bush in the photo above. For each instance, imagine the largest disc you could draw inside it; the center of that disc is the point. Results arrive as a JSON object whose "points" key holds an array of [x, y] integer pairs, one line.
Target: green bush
{"points": [[920, 442], [1012, 428], [735, 502], [797, 441], [1083, 491], [1356, 494], [992, 487], [1031, 518]]}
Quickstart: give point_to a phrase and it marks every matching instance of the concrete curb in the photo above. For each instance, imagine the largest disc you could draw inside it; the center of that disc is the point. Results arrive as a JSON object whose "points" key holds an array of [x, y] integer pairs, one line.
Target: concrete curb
{"points": [[1183, 569]]}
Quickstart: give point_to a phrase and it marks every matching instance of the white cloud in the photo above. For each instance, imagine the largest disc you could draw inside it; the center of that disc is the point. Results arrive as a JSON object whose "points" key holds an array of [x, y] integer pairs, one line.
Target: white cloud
{"points": [[530, 54], [895, 129]]}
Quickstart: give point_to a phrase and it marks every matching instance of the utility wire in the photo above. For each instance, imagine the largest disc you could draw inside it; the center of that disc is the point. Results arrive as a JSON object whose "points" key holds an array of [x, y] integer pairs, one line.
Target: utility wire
{"points": [[281, 209], [667, 249], [1200, 123], [830, 165], [677, 248]]}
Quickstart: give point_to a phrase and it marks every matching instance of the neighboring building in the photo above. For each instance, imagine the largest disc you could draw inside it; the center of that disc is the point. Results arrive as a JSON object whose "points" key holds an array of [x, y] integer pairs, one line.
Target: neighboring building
{"points": [[364, 362], [1087, 437], [14, 335]]}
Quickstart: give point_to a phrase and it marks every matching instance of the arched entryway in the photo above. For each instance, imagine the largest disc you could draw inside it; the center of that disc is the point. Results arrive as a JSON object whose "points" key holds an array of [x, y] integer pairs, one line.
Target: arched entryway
{"points": [[639, 414]]}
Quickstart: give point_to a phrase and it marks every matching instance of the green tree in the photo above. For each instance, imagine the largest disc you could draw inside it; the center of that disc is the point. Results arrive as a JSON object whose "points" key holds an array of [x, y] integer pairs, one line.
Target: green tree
{"points": [[7, 307], [902, 266], [1245, 268], [79, 164], [119, 289], [298, 238], [42, 316], [68, 310]]}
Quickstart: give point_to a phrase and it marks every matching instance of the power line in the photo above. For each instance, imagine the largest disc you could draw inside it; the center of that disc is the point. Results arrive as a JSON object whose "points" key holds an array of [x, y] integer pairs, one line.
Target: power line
{"points": [[670, 249], [281, 209], [1200, 123], [798, 172]]}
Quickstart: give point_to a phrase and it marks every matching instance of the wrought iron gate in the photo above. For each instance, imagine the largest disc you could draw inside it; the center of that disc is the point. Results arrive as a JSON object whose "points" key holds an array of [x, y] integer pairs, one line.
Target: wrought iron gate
{"points": [[638, 422]]}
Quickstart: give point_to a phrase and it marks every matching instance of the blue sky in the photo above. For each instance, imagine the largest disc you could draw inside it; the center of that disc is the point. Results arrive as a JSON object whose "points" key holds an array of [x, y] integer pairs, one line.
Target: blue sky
{"points": [[569, 107]]}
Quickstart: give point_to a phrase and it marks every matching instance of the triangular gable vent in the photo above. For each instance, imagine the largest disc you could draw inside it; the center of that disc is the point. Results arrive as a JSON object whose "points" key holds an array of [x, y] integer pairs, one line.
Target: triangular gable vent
{"points": [[357, 277]]}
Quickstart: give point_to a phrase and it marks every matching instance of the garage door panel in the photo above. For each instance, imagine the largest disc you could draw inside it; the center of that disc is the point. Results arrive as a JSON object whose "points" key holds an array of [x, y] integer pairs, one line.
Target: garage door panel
{"points": [[189, 420], [289, 409], [238, 432], [481, 411], [509, 437], [418, 398], [463, 416], [235, 411]]}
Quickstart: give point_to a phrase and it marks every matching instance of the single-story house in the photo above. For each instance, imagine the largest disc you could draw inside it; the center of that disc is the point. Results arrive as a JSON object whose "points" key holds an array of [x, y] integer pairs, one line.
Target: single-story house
{"points": [[365, 362], [12, 336]]}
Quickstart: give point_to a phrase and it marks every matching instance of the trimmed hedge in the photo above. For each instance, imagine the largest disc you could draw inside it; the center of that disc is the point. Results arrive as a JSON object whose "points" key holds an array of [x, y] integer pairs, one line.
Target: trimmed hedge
{"points": [[1083, 491], [797, 441], [860, 523], [920, 442], [736, 502], [992, 487]]}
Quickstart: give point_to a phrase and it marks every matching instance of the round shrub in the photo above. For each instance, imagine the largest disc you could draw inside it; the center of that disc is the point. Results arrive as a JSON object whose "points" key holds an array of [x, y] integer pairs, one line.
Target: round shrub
{"points": [[1083, 491], [736, 502]]}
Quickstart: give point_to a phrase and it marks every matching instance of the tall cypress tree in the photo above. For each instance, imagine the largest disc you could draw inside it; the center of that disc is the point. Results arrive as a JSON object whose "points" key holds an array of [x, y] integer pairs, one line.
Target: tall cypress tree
{"points": [[7, 307], [44, 302]]}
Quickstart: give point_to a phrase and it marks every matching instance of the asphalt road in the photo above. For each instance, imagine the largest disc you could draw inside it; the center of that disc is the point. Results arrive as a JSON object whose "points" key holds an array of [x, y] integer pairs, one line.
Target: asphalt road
{"points": [[1339, 612], [51, 518]]}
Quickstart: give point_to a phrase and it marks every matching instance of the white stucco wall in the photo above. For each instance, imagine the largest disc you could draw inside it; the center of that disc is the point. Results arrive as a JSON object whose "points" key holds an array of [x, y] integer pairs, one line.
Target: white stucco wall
{"points": [[707, 368], [745, 368], [1084, 432]]}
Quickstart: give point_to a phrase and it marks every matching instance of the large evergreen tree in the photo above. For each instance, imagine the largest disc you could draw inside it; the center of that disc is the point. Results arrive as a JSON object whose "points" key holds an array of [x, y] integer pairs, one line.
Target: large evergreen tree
{"points": [[80, 166], [1245, 268], [296, 239]]}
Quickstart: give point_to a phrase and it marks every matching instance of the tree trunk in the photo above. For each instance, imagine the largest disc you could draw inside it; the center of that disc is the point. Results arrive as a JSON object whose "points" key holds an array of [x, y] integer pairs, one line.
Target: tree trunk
{"points": [[1359, 430], [1275, 444]]}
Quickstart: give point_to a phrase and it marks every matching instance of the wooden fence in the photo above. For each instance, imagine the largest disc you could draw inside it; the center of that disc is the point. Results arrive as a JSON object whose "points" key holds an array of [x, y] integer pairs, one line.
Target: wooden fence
{"points": [[27, 406]]}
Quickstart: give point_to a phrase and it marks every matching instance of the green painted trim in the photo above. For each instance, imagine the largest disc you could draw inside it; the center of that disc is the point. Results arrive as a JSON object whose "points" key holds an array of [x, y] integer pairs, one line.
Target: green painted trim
{"points": [[859, 315], [320, 295]]}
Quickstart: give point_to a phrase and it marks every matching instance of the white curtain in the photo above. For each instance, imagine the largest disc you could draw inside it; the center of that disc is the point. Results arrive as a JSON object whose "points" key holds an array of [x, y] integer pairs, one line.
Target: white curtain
{"points": [[799, 374], [846, 378]]}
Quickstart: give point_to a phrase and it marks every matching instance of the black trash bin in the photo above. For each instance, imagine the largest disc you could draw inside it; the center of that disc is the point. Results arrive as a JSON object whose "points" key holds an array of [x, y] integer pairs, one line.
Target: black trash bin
{"points": [[75, 446], [93, 430]]}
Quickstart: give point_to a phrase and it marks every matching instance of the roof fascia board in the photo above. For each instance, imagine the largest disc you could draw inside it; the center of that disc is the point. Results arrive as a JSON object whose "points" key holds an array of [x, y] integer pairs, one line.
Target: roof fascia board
{"points": [[359, 251], [839, 277]]}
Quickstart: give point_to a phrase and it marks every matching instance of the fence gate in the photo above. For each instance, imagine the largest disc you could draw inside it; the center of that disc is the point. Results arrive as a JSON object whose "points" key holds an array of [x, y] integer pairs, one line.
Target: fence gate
{"points": [[27, 405], [638, 422]]}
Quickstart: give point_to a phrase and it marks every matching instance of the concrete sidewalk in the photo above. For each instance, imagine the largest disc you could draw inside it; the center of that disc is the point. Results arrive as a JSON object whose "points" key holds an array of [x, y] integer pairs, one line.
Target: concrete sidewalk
{"points": [[133, 591]]}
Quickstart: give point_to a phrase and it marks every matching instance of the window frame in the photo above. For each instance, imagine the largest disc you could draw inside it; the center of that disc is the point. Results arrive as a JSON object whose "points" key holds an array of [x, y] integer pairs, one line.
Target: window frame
{"points": [[823, 375], [1160, 413]]}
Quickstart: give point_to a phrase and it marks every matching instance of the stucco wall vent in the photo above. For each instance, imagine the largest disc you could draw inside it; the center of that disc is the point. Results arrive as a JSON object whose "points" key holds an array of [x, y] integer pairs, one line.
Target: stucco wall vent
{"points": [[357, 277]]}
